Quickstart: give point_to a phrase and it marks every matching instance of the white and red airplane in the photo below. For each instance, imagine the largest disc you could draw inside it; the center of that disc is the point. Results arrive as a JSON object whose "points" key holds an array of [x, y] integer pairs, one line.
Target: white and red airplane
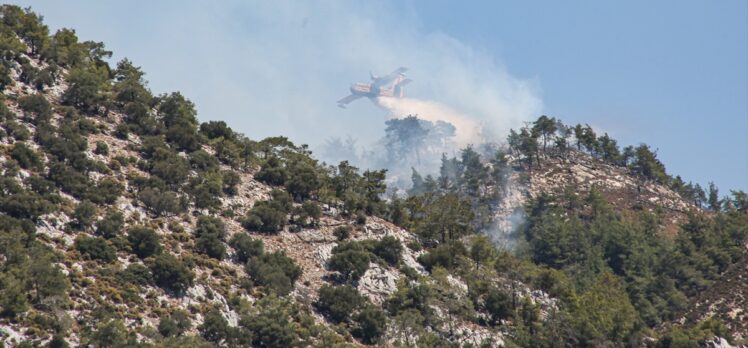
{"points": [[385, 86]]}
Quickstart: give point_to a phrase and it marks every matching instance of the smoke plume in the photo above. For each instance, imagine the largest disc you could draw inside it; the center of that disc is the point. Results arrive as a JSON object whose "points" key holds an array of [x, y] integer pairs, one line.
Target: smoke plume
{"points": [[468, 131]]}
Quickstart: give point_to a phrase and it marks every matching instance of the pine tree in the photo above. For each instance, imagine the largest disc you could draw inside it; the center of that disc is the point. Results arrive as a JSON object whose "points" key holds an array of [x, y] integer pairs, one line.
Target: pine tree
{"points": [[713, 198]]}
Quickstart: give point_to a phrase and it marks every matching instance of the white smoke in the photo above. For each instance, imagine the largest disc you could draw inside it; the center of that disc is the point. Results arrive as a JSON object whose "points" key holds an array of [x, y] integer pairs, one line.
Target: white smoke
{"points": [[279, 66], [468, 131]]}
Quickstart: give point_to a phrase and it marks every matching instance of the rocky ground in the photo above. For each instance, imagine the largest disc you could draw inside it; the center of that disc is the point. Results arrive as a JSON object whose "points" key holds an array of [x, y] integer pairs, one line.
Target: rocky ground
{"points": [[216, 281], [577, 173], [726, 300]]}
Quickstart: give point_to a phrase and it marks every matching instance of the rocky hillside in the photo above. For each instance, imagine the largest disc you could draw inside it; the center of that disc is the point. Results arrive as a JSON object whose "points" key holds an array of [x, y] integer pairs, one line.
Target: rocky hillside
{"points": [[577, 173], [134, 242], [124, 221], [727, 300]]}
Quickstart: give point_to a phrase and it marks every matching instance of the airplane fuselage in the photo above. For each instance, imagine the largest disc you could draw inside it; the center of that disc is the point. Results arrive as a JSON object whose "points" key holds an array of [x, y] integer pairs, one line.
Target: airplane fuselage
{"points": [[388, 86], [379, 88]]}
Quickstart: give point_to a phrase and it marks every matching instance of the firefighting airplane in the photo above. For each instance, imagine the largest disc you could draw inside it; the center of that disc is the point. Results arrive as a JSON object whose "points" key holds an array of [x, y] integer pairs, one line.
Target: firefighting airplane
{"points": [[385, 86]]}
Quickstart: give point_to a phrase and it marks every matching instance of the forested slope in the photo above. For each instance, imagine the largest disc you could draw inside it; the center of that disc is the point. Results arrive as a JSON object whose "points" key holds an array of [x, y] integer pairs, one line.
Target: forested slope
{"points": [[124, 222]]}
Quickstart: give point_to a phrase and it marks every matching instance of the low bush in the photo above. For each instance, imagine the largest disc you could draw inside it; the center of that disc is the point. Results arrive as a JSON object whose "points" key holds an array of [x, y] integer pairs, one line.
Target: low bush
{"points": [[144, 241], [276, 272], [246, 247], [338, 303], [350, 260], [342, 232], [111, 225], [210, 233], [171, 273], [95, 248], [445, 255], [269, 216]]}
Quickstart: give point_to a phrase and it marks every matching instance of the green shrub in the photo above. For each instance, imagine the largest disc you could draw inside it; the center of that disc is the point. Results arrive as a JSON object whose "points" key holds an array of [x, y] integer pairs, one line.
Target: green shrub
{"points": [[26, 157], [415, 245], [136, 274], [84, 215], [215, 328], [69, 180], [16, 130], [206, 190], [122, 131], [388, 249], [209, 225], [160, 202], [275, 271], [171, 168], [36, 105], [310, 214], [111, 225], [203, 161], [270, 324], [216, 129], [445, 255], [342, 232], [40, 185], [230, 182], [144, 241], [25, 205], [107, 191], [210, 233], [498, 304], [272, 172], [175, 324], [13, 301], [58, 341], [302, 180], [246, 247], [338, 303], [171, 274], [210, 246], [95, 248], [413, 296], [101, 148], [111, 333], [371, 324], [350, 259], [361, 218], [270, 215], [183, 137], [87, 126]]}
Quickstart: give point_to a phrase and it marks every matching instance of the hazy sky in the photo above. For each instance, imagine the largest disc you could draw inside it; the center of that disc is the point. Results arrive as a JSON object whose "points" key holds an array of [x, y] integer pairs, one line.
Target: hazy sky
{"points": [[672, 74]]}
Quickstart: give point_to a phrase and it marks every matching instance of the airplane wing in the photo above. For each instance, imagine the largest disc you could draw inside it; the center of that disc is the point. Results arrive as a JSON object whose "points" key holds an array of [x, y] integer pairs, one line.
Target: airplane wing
{"points": [[348, 99], [404, 82]]}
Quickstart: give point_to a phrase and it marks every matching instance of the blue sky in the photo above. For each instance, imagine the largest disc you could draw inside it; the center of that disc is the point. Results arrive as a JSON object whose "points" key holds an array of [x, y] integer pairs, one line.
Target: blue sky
{"points": [[672, 74]]}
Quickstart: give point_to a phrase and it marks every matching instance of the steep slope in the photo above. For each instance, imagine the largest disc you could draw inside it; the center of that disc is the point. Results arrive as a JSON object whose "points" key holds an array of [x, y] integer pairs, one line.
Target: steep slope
{"points": [[726, 300], [126, 222], [216, 282], [576, 173], [112, 287]]}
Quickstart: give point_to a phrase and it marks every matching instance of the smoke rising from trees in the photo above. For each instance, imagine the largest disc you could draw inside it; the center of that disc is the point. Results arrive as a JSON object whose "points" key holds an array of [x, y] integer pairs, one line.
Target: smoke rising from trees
{"points": [[467, 130]]}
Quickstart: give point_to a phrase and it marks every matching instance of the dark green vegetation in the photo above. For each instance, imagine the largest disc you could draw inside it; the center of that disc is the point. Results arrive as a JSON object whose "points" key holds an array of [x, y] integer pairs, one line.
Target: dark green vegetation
{"points": [[616, 275], [117, 204], [351, 259]]}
